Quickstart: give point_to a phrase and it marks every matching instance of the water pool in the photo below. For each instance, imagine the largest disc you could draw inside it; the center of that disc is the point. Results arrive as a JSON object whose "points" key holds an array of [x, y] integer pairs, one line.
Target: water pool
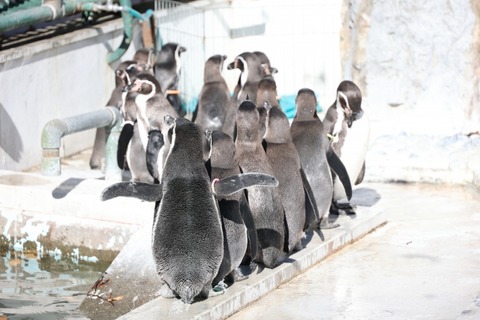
{"points": [[46, 284]]}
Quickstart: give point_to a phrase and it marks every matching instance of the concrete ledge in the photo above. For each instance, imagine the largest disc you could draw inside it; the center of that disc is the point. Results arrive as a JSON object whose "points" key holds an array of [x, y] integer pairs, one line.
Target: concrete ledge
{"points": [[70, 195], [67, 211], [263, 281]]}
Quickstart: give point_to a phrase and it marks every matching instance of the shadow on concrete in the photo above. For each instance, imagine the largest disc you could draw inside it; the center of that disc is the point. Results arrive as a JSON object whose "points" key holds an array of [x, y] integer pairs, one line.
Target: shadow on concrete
{"points": [[10, 139], [65, 187], [365, 197]]}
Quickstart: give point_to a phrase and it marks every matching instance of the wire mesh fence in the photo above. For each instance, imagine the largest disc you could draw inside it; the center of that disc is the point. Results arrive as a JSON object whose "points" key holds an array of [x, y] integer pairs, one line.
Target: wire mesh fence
{"points": [[301, 39]]}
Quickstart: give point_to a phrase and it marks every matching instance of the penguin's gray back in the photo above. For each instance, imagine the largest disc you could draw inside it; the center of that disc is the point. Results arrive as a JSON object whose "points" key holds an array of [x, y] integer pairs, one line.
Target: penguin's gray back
{"points": [[285, 162], [223, 165], [265, 203], [216, 108], [311, 143], [266, 95], [187, 234]]}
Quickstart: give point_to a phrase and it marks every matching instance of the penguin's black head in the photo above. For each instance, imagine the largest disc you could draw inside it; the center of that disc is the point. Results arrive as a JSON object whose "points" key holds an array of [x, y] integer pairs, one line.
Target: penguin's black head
{"points": [[126, 71], [343, 105], [214, 65], [306, 103], [350, 98], [144, 57], [168, 54], [236, 64], [268, 69], [247, 121], [277, 125], [222, 150], [184, 132], [144, 83]]}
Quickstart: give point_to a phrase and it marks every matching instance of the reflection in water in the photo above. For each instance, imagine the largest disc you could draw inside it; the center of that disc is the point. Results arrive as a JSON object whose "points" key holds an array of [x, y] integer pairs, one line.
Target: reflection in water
{"points": [[50, 287]]}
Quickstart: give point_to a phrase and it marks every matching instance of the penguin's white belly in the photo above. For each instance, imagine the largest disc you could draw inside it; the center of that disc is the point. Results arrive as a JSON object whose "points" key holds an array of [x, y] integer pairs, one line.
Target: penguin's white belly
{"points": [[354, 151]]}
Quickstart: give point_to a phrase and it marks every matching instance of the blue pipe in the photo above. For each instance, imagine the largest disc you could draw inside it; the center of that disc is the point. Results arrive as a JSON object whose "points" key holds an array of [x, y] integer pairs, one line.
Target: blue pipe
{"points": [[128, 13]]}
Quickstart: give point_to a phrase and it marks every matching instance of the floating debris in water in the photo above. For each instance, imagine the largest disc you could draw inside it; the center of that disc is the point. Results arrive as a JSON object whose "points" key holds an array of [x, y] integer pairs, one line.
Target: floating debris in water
{"points": [[56, 254], [92, 259], [95, 293]]}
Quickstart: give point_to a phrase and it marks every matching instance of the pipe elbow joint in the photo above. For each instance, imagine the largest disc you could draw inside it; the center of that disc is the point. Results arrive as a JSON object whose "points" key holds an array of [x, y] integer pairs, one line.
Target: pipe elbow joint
{"points": [[52, 134]]}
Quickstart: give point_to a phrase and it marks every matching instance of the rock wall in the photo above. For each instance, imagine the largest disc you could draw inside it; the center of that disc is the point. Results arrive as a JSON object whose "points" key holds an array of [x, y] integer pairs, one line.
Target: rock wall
{"points": [[418, 66], [419, 57]]}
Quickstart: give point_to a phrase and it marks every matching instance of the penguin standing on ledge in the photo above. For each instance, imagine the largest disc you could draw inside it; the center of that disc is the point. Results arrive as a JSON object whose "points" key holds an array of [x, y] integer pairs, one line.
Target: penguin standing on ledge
{"points": [[265, 203], [348, 128], [167, 71], [216, 108], [316, 156], [251, 73], [123, 75], [144, 160], [240, 235]]}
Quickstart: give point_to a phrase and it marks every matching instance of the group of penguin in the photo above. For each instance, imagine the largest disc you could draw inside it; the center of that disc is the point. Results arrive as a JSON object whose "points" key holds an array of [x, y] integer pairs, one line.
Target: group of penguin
{"points": [[238, 185]]}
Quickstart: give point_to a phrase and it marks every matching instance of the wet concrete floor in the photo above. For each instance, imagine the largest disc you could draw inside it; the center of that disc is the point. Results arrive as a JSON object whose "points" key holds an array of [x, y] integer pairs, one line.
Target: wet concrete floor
{"points": [[423, 264]]}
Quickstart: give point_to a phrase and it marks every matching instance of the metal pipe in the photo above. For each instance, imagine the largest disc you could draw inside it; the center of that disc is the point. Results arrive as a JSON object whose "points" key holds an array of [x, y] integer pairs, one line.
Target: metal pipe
{"points": [[55, 129], [49, 11], [128, 15], [112, 133], [53, 9]]}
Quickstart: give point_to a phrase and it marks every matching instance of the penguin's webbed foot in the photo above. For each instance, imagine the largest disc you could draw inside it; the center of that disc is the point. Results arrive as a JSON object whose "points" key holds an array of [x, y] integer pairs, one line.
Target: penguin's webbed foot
{"points": [[221, 286], [238, 275], [325, 224], [338, 207]]}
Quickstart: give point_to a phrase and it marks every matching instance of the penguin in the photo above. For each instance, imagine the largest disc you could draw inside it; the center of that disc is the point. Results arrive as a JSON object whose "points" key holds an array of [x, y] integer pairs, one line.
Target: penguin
{"points": [[264, 60], [264, 203], [285, 162], [150, 108], [187, 236], [266, 94], [167, 70], [145, 58], [348, 128], [316, 156], [124, 72], [251, 73], [216, 108], [240, 237]]}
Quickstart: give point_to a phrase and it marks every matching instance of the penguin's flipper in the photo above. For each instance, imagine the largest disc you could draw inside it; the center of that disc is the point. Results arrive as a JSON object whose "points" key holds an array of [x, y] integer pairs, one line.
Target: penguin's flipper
{"points": [[155, 143], [361, 175], [249, 221], [337, 166], [125, 136], [143, 191], [195, 112], [264, 145], [312, 215], [235, 183], [208, 166]]}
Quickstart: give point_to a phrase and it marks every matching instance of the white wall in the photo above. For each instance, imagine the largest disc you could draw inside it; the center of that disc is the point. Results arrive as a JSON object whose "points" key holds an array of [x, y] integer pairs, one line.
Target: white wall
{"points": [[50, 79]]}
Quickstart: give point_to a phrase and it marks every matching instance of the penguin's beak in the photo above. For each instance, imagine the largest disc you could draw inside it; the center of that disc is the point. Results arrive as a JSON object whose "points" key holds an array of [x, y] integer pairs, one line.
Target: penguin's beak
{"points": [[231, 66], [349, 121], [127, 88]]}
